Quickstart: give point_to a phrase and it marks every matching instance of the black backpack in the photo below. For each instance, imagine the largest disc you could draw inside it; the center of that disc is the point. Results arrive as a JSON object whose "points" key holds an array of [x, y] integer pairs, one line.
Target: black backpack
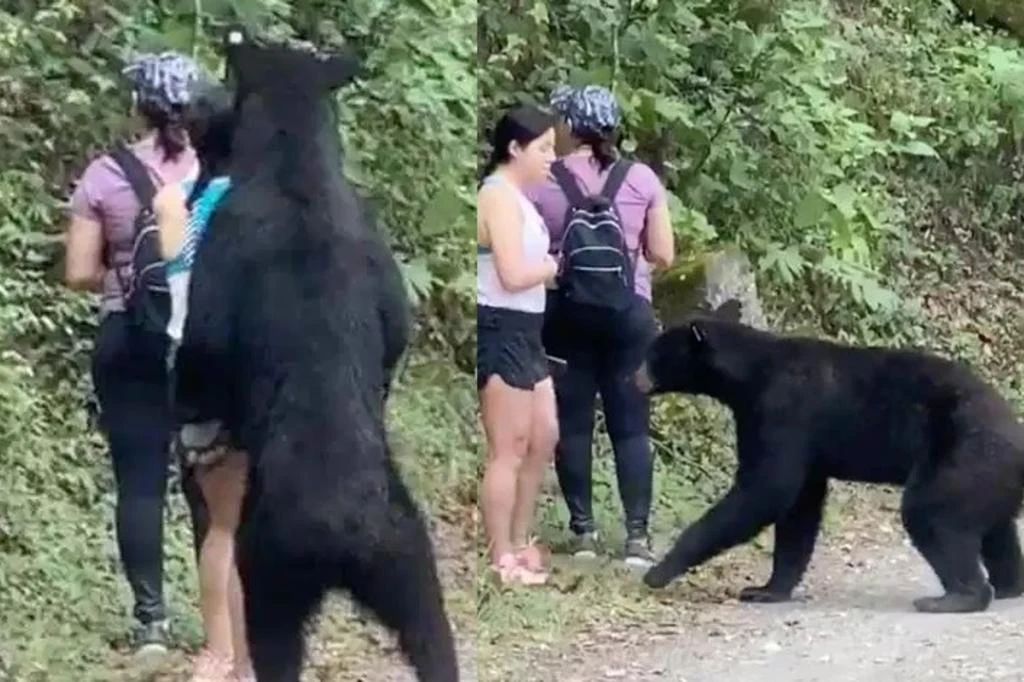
{"points": [[596, 269], [147, 297]]}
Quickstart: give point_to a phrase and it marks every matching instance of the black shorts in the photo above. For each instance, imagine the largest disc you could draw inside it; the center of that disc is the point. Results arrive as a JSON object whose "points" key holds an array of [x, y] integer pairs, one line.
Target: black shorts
{"points": [[508, 343]]}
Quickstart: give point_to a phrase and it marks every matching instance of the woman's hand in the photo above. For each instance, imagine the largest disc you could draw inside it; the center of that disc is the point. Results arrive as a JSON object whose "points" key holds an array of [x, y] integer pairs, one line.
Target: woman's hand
{"points": [[550, 266]]}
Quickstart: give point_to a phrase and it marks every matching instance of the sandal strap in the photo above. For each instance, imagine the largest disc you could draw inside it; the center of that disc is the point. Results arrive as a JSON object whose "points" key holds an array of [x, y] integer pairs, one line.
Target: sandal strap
{"points": [[511, 570], [532, 555]]}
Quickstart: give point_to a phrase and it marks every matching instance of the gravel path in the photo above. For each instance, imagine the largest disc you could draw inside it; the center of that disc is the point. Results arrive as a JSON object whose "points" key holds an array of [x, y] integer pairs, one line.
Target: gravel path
{"points": [[853, 622]]}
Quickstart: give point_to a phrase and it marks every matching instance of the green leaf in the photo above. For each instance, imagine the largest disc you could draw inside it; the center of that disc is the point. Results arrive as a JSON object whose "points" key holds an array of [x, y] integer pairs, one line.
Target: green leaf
{"points": [[844, 198], [869, 218], [690, 224], [918, 148], [738, 174], [907, 124], [810, 210], [442, 212], [672, 110], [788, 263], [418, 279]]}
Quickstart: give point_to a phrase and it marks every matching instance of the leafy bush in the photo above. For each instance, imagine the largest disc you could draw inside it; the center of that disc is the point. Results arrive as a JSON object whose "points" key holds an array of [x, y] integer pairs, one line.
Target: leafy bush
{"points": [[789, 128]]}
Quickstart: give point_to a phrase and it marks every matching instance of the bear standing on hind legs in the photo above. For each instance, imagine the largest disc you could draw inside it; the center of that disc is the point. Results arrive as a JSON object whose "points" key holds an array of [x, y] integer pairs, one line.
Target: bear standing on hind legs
{"points": [[289, 339], [808, 410]]}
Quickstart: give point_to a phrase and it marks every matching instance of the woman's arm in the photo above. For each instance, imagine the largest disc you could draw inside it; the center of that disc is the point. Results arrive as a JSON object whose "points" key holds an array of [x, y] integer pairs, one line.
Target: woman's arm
{"points": [[502, 217], [659, 242], [659, 246], [83, 257], [83, 238]]}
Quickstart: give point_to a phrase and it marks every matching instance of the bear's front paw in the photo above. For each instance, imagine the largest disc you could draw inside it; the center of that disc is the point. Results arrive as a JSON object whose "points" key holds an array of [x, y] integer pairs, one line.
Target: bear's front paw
{"points": [[659, 576]]}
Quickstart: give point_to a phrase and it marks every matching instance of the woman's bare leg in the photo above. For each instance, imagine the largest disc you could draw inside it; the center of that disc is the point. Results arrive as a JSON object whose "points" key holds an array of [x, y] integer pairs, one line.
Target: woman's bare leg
{"points": [[236, 602], [223, 486], [506, 413], [541, 450], [236, 606]]}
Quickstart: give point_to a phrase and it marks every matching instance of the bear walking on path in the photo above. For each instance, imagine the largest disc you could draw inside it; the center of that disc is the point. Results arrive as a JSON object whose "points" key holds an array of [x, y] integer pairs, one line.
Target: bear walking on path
{"points": [[295, 323], [809, 410]]}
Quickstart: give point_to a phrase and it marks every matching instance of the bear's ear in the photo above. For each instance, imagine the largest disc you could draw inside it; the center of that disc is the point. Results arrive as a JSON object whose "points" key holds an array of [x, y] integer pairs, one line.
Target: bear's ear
{"points": [[730, 311], [238, 55], [702, 307], [236, 35], [338, 69]]}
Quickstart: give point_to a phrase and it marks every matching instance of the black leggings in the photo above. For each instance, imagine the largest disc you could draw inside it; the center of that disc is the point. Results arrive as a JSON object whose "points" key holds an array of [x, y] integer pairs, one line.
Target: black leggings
{"points": [[602, 363], [130, 379]]}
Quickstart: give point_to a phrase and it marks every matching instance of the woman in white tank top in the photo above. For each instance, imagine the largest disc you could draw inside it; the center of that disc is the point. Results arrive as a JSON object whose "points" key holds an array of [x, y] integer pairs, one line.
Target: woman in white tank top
{"points": [[517, 398]]}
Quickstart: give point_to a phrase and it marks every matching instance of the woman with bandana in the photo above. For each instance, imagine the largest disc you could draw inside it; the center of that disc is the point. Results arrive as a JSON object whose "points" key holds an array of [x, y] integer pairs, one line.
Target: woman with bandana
{"points": [[603, 363], [129, 369]]}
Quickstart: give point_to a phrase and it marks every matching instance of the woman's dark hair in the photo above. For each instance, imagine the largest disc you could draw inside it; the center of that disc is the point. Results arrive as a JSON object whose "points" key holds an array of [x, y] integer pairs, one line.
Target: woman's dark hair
{"points": [[170, 130], [521, 124], [209, 121], [604, 145]]}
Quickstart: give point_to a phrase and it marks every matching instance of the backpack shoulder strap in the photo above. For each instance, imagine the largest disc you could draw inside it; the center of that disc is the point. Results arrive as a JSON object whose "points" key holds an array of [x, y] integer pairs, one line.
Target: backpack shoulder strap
{"points": [[136, 173], [142, 186], [612, 185], [199, 186], [615, 179], [567, 182]]}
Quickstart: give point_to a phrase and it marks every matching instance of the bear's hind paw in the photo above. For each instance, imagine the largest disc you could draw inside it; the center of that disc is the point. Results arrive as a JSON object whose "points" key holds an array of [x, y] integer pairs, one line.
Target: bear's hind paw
{"points": [[955, 602], [764, 595]]}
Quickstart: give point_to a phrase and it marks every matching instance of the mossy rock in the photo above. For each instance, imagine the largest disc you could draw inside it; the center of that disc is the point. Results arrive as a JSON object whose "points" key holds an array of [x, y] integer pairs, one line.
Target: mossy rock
{"points": [[1008, 14], [708, 279]]}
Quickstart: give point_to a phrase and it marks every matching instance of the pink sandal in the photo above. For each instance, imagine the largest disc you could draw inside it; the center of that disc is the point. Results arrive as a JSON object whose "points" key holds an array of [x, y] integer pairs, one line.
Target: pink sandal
{"points": [[510, 570], [533, 556]]}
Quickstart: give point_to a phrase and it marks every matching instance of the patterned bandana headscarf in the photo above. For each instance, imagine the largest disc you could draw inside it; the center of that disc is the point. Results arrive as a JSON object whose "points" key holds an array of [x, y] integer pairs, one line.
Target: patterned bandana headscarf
{"points": [[163, 81], [590, 108]]}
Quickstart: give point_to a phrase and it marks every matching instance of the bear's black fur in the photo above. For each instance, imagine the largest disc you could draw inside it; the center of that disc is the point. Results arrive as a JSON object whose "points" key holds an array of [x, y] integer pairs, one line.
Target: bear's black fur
{"points": [[294, 325], [808, 410]]}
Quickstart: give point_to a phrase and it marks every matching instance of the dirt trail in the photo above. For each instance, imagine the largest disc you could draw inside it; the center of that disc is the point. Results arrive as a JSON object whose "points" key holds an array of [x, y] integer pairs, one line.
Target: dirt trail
{"points": [[853, 622]]}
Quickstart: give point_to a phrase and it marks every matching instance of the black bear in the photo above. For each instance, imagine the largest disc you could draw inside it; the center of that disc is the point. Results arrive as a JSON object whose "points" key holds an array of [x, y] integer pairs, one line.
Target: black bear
{"points": [[296, 318], [807, 410]]}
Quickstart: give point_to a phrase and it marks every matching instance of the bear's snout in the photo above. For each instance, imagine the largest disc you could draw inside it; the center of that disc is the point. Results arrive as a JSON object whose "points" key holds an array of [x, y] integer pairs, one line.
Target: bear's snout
{"points": [[642, 379]]}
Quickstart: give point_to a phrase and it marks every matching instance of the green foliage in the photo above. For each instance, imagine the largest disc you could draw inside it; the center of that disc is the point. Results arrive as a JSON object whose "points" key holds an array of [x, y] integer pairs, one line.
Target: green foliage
{"points": [[788, 128]]}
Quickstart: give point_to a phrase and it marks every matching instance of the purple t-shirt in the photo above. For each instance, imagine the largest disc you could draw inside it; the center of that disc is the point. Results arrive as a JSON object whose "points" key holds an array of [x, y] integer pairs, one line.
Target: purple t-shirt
{"points": [[104, 196], [640, 192]]}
